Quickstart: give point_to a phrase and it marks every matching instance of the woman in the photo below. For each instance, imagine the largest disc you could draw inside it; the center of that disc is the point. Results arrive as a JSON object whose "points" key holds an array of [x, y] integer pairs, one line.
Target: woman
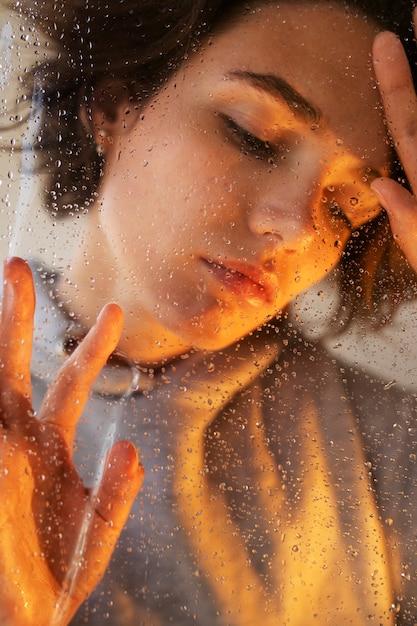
{"points": [[219, 191]]}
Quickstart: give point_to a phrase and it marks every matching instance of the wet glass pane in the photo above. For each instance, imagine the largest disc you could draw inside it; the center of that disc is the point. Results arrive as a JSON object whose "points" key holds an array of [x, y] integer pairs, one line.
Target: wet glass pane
{"points": [[207, 355]]}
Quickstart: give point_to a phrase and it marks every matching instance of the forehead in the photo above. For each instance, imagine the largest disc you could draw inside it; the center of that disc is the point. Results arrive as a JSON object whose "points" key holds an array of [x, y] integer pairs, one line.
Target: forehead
{"points": [[321, 49]]}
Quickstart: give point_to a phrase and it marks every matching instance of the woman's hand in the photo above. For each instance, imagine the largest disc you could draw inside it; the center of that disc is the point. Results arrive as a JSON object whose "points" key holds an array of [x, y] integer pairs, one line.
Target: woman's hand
{"points": [[400, 103], [56, 537]]}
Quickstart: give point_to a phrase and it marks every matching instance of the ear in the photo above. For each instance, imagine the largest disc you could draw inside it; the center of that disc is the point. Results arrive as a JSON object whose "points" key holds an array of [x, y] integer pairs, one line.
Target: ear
{"points": [[109, 112]]}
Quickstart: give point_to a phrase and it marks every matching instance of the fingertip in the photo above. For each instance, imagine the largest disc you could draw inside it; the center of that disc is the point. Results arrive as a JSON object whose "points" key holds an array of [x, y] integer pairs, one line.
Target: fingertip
{"points": [[382, 188], [386, 36], [18, 289], [112, 308], [112, 313], [377, 186], [387, 43], [125, 455], [16, 260], [396, 200], [14, 267], [107, 329]]}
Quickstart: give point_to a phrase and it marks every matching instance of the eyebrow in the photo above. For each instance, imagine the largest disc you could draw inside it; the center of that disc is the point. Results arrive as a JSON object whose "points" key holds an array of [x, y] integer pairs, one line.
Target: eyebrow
{"points": [[279, 89]]}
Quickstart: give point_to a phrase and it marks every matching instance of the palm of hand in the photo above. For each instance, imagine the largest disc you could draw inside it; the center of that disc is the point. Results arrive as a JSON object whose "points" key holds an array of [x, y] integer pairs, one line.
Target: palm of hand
{"points": [[39, 486]]}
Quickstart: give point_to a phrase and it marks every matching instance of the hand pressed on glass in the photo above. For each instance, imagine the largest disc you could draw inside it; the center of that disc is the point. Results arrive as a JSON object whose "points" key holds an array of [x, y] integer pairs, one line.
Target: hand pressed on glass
{"points": [[44, 503], [399, 98], [204, 254]]}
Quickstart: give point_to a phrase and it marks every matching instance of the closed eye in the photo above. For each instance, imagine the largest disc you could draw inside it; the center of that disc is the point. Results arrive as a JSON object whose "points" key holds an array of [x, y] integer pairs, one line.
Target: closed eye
{"points": [[247, 142]]}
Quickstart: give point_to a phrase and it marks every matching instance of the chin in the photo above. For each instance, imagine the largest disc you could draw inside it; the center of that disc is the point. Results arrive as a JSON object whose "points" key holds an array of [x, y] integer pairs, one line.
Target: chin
{"points": [[216, 330], [219, 340]]}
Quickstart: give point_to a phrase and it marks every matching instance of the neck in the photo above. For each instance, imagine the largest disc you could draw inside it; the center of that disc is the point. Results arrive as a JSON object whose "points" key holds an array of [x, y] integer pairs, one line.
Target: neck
{"points": [[92, 281]]}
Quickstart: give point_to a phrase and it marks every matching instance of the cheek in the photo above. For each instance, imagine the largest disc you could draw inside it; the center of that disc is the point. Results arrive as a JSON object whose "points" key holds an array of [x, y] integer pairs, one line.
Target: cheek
{"points": [[318, 259]]}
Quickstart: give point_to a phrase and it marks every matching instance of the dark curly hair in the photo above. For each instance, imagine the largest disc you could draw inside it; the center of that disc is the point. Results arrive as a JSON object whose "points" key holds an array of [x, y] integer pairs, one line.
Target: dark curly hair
{"points": [[142, 42]]}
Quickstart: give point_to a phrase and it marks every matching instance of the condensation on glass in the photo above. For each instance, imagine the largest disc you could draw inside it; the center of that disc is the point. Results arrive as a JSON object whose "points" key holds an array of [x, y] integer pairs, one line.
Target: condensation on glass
{"points": [[279, 446]]}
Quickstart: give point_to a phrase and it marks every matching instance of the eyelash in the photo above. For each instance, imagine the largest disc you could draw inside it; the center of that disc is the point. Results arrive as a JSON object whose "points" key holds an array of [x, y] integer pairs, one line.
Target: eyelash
{"points": [[252, 145], [248, 143]]}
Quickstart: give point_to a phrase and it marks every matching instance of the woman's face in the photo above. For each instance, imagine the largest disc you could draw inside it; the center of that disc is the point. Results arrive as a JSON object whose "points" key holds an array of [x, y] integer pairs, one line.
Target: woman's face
{"points": [[240, 183]]}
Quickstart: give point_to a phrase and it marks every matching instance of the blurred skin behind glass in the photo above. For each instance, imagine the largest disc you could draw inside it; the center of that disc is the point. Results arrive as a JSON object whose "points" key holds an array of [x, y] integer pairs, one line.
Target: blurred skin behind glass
{"points": [[231, 188]]}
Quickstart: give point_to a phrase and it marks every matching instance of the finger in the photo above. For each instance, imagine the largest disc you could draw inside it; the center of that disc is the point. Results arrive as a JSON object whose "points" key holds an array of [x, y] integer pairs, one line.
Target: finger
{"points": [[399, 99], [68, 394], [122, 479], [402, 212], [16, 330]]}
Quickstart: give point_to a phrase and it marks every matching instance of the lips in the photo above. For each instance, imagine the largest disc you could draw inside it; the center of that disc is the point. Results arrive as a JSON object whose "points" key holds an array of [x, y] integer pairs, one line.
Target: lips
{"points": [[245, 281]]}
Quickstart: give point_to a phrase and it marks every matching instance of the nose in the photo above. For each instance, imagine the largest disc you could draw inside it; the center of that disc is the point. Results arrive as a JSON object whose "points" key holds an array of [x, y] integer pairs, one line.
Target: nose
{"points": [[284, 200]]}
